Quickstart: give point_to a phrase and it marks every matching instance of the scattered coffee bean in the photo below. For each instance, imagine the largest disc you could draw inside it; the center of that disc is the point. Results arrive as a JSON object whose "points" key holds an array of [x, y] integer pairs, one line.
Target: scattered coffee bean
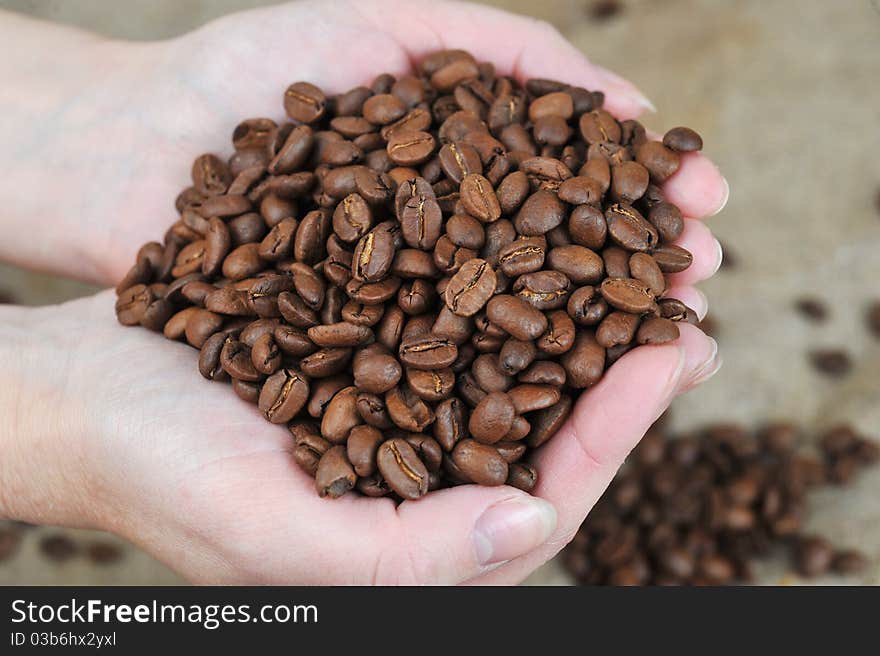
{"points": [[603, 10], [104, 553], [834, 363], [812, 309], [427, 268], [58, 548], [700, 508]]}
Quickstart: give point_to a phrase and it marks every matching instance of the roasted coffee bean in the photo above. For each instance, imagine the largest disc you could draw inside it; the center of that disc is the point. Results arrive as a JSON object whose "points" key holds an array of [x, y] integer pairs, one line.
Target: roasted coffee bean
{"points": [[201, 325], [427, 352], [516, 317], [516, 355], [559, 336], [580, 265], [372, 410], [522, 256], [450, 424], [598, 126], [627, 294], [407, 410], [683, 140], [667, 219], [656, 330], [493, 418], [334, 475], [617, 329], [528, 398], [660, 161], [629, 229], [671, 258], [434, 385], [584, 363], [522, 476], [210, 175], [304, 102], [420, 217], [377, 373], [480, 463], [479, 199], [539, 214], [362, 446], [402, 469], [470, 288], [410, 148]]}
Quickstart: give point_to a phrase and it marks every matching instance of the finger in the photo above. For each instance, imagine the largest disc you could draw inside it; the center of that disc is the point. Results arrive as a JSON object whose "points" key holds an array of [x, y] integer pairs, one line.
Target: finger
{"points": [[577, 465], [517, 45], [690, 296], [698, 240], [456, 534], [697, 188]]}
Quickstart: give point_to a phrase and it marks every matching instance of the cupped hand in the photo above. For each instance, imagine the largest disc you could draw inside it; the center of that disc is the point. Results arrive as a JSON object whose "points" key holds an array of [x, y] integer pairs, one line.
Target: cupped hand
{"points": [[184, 468]]}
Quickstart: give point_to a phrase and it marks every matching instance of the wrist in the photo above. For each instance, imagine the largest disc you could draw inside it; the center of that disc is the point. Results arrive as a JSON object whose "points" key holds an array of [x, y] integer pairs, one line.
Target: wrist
{"points": [[43, 472]]}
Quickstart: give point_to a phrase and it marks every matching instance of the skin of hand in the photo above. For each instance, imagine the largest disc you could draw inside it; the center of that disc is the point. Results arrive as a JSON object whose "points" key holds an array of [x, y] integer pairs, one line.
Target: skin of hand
{"points": [[114, 428]]}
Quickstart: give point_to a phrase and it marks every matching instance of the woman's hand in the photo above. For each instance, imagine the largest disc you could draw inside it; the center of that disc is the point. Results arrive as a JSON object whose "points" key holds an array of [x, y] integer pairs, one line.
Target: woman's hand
{"points": [[116, 428]]}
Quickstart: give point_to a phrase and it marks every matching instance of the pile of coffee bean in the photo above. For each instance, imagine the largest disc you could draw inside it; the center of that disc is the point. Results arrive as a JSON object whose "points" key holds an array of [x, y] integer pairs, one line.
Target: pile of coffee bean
{"points": [[698, 509], [417, 277]]}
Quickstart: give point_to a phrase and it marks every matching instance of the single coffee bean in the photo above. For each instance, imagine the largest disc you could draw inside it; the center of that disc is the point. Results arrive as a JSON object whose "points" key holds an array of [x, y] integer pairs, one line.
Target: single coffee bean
{"points": [[543, 290], [522, 256], [683, 140], [450, 424], [479, 199], [516, 316], [584, 363], [645, 269], [627, 294], [265, 355], [629, 181], [516, 355], [480, 463], [283, 396], [661, 162], [523, 477], [581, 265], [668, 220], [629, 229], [407, 410], [210, 175], [304, 102], [410, 148], [434, 385], [377, 373], [492, 419], [539, 214], [362, 447], [402, 470], [671, 258], [657, 330], [470, 288], [334, 475], [559, 336], [617, 328], [528, 398]]}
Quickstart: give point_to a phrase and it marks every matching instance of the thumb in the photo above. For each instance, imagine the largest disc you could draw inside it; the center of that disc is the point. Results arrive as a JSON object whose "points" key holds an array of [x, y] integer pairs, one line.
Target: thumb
{"points": [[457, 534]]}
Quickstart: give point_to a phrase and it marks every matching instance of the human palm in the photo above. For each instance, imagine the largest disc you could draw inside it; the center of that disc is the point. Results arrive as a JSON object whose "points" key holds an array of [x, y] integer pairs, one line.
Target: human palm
{"points": [[194, 474]]}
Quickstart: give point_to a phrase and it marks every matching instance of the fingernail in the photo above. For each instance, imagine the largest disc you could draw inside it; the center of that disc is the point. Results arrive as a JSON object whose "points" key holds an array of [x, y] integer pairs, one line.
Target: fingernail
{"points": [[513, 528], [724, 197], [701, 366], [719, 256]]}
